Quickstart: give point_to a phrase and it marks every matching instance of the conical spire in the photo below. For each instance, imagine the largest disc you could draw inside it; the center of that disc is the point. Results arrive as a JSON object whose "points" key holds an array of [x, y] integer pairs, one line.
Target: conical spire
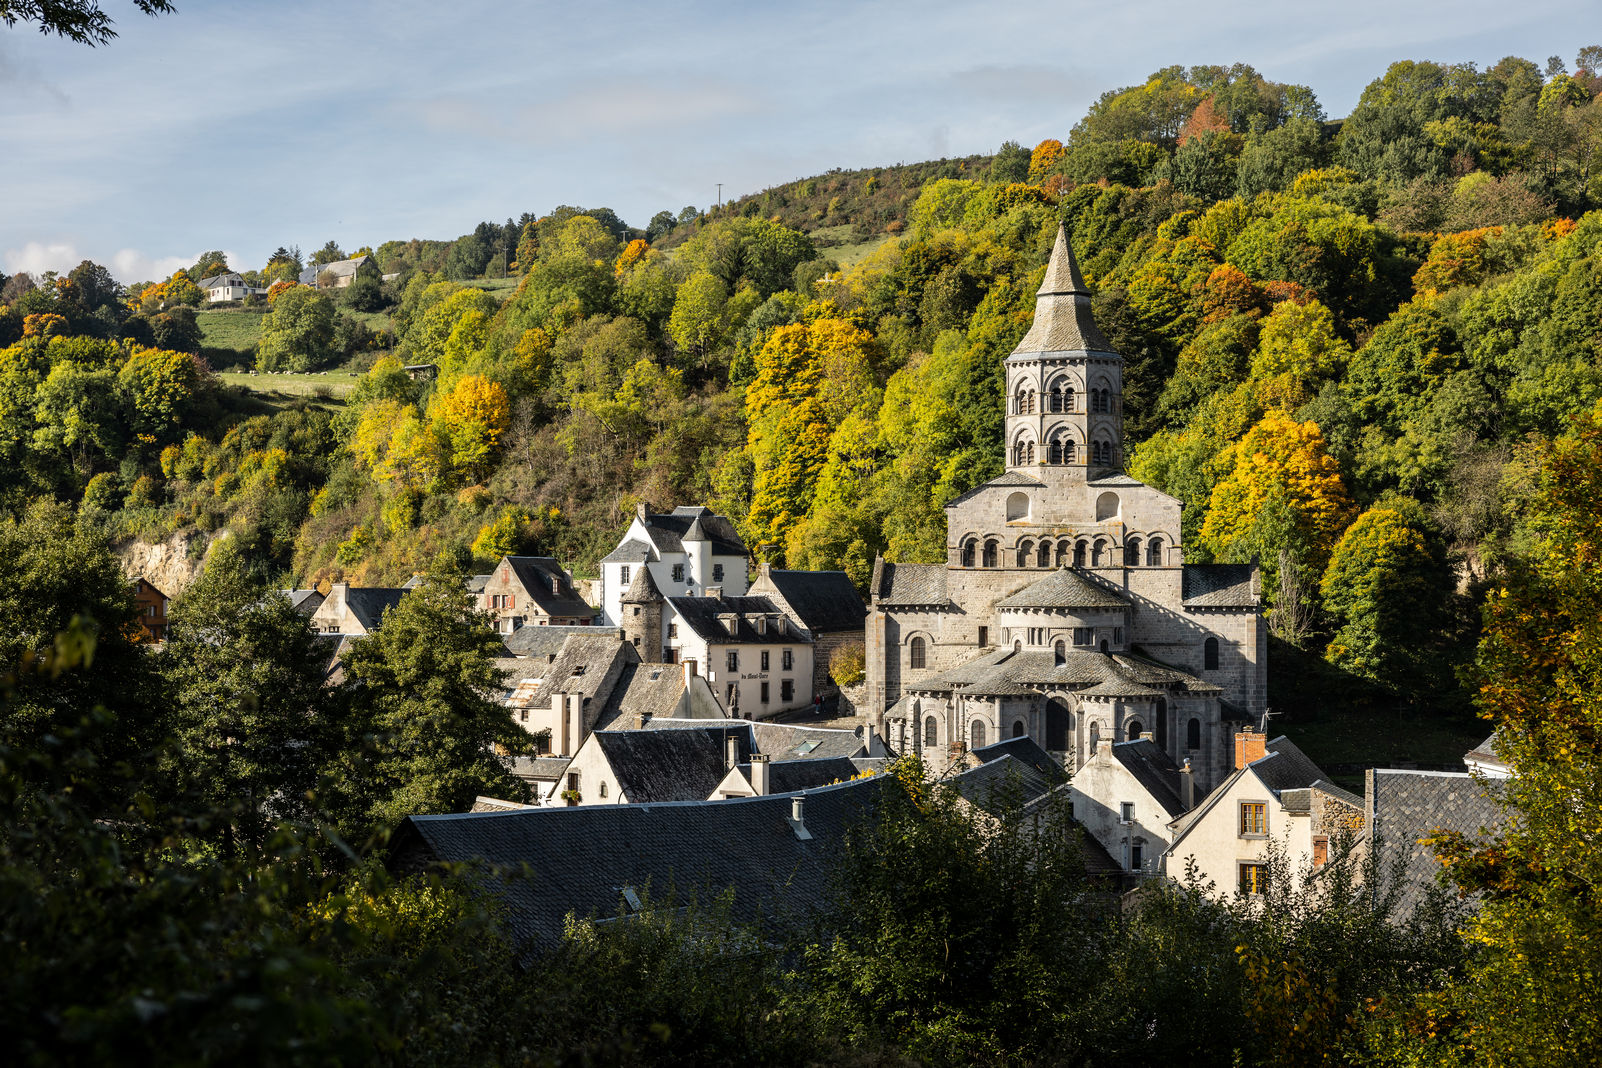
{"points": [[1063, 322], [643, 590], [696, 531]]}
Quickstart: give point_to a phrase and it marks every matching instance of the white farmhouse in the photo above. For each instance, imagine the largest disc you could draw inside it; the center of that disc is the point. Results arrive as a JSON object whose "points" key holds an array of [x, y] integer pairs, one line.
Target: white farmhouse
{"points": [[688, 552]]}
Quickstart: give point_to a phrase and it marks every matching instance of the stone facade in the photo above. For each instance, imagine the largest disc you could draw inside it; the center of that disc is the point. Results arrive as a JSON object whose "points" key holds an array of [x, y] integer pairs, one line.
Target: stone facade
{"points": [[993, 644]]}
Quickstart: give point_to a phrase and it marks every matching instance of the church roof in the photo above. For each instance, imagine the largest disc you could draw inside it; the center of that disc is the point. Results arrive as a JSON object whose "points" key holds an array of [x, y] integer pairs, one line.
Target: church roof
{"points": [[1063, 321], [908, 585], [1221, 586], [1064, 588], [1010, 672], [1011, 478]]}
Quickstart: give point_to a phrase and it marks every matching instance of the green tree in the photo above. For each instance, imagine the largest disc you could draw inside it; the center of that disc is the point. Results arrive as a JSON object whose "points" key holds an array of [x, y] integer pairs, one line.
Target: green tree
{"points": [[80, 21], [298, 333]]}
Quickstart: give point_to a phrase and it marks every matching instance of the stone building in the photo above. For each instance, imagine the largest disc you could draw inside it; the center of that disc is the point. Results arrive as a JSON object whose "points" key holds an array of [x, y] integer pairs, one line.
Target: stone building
{"points": [[688, 552], [825, 604], [1064, 610]]}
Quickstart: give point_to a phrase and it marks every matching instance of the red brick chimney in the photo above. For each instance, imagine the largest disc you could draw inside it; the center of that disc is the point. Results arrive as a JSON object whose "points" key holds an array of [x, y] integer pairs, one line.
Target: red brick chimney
{"points": [[1250, 745]]}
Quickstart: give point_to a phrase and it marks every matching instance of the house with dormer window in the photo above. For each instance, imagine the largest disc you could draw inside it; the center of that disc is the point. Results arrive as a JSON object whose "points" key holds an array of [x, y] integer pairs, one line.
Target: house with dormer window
{"points": [[533, 591], [756, 659], [688, 552]]}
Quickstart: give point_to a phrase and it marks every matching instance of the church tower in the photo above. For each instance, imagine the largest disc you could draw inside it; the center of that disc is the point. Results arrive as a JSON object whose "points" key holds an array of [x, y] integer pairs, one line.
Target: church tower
{"points": [[1064, 384]]}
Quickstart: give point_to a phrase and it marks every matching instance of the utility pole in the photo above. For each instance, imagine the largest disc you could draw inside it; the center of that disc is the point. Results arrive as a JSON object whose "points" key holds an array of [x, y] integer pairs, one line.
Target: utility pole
{"points": [[720, 195]]}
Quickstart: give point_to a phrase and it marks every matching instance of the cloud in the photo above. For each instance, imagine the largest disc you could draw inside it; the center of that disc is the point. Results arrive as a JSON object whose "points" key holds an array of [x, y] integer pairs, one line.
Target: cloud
{"points": [[126, 265], [36, 258]]}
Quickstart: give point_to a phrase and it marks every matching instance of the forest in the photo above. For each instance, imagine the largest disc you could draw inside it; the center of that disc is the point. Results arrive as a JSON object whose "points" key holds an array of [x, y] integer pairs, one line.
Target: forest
{"points": [[1363, 352]]}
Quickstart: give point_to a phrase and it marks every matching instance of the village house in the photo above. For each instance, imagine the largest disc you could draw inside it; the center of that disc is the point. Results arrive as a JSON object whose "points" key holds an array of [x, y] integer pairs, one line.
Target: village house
{"points": [[532, 591], [757, 660], [1065, 609], [1127, 795], [647, 766], [1276, 800], [354, 610], [152, 606], [306, 602], [764, 775], [689, 551], [1405, 811], [336, 275], [825, 604], [229, 286]]}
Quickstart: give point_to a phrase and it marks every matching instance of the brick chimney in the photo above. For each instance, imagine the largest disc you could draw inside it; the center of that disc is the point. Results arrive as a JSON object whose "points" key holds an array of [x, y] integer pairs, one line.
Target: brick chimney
{"points": [[1250, 745], [760, 773]]}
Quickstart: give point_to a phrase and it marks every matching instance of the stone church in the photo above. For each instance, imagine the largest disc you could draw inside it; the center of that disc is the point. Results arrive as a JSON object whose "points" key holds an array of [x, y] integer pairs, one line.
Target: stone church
{"points": [[1065, 611]]}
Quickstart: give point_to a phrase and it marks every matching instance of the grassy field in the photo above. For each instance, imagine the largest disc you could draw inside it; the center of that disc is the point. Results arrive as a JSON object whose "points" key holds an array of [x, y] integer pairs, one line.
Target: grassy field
{"points": [[237, 329], [279, 389], [849, 252], [501, 288]]}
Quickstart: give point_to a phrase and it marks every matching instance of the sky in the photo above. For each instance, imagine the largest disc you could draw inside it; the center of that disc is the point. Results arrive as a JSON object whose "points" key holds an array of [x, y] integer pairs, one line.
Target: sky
{"points": [[246, 126]]}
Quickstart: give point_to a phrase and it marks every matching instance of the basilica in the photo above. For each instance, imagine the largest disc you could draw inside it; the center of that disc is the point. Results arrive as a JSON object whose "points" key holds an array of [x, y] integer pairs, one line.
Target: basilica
{"points": [[1065, 611]]}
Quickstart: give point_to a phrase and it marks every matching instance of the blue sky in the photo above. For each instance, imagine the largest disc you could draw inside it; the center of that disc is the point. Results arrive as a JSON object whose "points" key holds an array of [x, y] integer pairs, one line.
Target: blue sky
{"points": [[244, 126]]}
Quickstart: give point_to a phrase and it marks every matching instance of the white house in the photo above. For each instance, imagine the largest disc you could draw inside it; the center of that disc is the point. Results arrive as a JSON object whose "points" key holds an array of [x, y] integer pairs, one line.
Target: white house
{"points": [[757, 660], [230, 286], [1127, 795], [1276, 797], [688, 552]]}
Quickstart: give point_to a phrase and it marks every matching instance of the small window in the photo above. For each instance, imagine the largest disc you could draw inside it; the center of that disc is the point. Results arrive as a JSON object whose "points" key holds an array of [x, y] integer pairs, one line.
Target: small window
{"points": [[992, 553], [1154, 553], [1134, 730], [787, 690], [1210, 654], [731, 695], [764, 660], [1118, 635], [1193, 734], [931, 731], [678, 572], [984, 637], [578, 669], [673, 630], [1060, 652], [915, 657], [968, 549], [787, 660], [978, 732], [1126, 812], [1253, 878], [1018, 729], [765, 697], [1017, 506], [1137, 854], [1084, 636], [601, 789], [636, 610], [1253, 819], [734, 660]]}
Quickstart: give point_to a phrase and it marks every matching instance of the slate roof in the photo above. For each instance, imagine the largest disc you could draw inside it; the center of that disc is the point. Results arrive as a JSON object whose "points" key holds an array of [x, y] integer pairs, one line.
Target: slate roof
{"points": [[643, 690], [303, 601], [1005, 671], [217, 281], [792, 776], [1009, 478], [682, 765], [1001, 783], [701, 614], [785, 742], [583, 857], [538, 575], [587, 664], [340, 268], [1066, 587], [476, 583], [543, 643], [1221, 586], [1285, 767], [632, 551], [1408, 806], [642, 589], [910, 585], [1155, 770], [1063, 321], [826, 602], [369, 603], [668, 531], [541, 769], [1024, 749], [1485, 757]]}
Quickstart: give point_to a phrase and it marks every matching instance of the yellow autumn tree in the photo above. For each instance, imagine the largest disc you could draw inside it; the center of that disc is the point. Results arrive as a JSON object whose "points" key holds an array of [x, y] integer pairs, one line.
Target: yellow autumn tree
{"points": [[1044, 157], [472, 416], [1284, 494], [631, 255]]}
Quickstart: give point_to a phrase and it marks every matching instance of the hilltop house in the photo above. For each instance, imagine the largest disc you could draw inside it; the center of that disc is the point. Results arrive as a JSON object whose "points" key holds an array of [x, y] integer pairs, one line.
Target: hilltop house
{"points": [[229, 286], [689, 551], [532, 591], [336, 275], [152, 605], [355, 611]]}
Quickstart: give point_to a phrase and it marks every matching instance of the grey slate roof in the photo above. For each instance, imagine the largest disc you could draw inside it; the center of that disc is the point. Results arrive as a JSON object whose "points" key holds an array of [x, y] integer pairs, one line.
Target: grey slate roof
{"points": [[668, 531], [476, 583], [910, 585], [1024, 749], [1486, 756], [539, 769], [543, 643], [340, 268], [1001, 783], [1408, 806], [369, 603], [1009, 478], [783, 741], [1066, 587], [826, 602], [303, 601], [631, 551], [1005, 671], [545, 581], [643, 690], [791, 776], [642, 589], [583, 857], [217, 281], [701, 614], [679, 765], [587, 664], [1286, 767], [1155, 770], [1063, 322], [1221, 586]]}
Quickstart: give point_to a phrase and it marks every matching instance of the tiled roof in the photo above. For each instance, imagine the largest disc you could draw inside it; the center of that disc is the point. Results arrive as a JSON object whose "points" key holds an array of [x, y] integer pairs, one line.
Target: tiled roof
{"points": [[1025, 749], [1115, 480], [584, 857], [701, 614], [784, 741], [1003, 783], [643, 690], [631, 551], [476, 583], [1155, 770], [642, 589], [1285, 767], [1063, 322], [1009, 478], [1406, 807], [911, 585], [668, 531], [304, 601], [1008, 671], [1066, 587], [542, 643], [790, 776], [587, 664], [541, 769], [825, 601], [545, 581], [1221, 586], [682, 765], [340, 269]]}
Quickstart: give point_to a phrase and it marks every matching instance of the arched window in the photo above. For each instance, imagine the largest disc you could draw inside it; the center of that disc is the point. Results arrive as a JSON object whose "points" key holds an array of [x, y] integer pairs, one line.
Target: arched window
{"points": [[1055, 404], [978, 734], [1017, 728], [992, 549], [1210, 654], [1193, 734], [1095, 737], [969, 547], [1029, 450], [1080, 548], [1068, 398], [1061, 446], [1134, 731], [915, 654], [1061, 651], [1065, 551], [1100, 453], [1017, 506], [1106, 507], [1029, 403], [1154, 553], [1057, 724], [1044, 556], [1099, 554], [1019, 400], [931, 732], [1132, 552], [1026, 552]]}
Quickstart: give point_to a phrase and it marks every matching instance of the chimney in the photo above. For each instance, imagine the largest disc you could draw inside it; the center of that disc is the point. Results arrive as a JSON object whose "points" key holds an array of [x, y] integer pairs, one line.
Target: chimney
{"points": [[639, 510], [714, 591], [1147, 736], [688, 667], [575, 719], [1187, 786], [764, 569], [731, 749], [798, 823], [760, 777], [1250, 745], [559, 714]]}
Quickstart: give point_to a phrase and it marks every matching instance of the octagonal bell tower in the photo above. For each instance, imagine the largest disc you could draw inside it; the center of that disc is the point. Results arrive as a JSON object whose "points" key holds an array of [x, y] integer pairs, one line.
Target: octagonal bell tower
{"points": [[1064, 384]]}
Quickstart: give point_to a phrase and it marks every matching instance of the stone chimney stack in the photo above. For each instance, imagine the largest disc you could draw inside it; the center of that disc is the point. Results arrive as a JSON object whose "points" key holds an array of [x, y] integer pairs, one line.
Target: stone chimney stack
{"points": [[731, 751], [1187, 786], [560, 740], [1250, 745], [761, 777], [639, 511], [575, 720]]}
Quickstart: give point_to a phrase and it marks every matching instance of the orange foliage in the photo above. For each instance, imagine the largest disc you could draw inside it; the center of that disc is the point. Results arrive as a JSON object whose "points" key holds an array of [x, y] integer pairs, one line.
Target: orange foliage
{"points": [[43, 325], [631, 254], [1228, 291], [1455, 260], [1207, 118], [279, 287], [1044, 157]]}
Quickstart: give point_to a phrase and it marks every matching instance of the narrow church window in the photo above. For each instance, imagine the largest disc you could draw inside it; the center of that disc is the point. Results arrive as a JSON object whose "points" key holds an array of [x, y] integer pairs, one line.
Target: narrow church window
{"points": [[1079, 552], [931, 732], [991, 549], [1064, 549], [1061, 652], [1154, 553], [1026, 550], [1210, 654], [984, 637], [1132, 552], [1135, 729], [978, 734], [1098, 553], [1056, 397], [1029, 450], [1017, 728], [1044, 556], [915, 653], [968, 548], [1057, 724], [1193, 734]]}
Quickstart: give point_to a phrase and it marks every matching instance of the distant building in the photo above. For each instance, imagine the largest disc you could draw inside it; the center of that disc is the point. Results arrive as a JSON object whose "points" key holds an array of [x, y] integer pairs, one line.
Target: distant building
{"points": [[688, 552], [1127, 795], [230, 286], [757, 660], [152, 604], [1406, 810], [339, 274], [825, 604], [532, 591], [1484, 760], [306, 602], [354, 610]]}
